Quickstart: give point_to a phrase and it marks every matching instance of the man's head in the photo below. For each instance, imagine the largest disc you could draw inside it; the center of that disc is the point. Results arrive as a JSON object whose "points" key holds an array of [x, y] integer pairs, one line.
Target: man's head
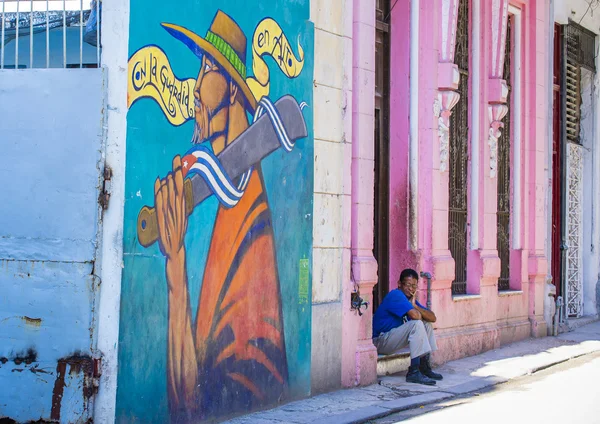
{"points": [[221, 82], [214, 92], [408, 282]]}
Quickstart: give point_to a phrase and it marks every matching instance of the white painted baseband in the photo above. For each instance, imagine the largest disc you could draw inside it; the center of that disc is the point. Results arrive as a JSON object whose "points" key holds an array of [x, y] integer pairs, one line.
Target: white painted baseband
{"points": [[115, 42]]}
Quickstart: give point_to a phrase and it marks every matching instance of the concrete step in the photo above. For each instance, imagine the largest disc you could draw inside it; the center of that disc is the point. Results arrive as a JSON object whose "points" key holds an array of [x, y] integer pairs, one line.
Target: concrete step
{"points": [[575, 323], [394, 363]]}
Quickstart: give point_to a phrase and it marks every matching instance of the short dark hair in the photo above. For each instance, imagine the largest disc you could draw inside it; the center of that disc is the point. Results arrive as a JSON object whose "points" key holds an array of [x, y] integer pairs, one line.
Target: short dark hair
{"points": [[407, 273]]}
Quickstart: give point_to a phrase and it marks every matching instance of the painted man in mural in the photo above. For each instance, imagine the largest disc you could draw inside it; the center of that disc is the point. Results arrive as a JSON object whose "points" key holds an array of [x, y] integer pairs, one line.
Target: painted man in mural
{"points": [[232, 358]]}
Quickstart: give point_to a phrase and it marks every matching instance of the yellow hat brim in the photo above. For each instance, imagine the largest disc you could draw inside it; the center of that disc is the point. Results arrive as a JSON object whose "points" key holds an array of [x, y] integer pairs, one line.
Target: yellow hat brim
{"points": [[198, 45]]}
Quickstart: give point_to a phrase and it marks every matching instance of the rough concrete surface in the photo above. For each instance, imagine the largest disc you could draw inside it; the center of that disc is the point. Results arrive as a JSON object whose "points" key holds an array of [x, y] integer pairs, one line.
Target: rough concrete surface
{"points": [[463, 376], [526, 398]]}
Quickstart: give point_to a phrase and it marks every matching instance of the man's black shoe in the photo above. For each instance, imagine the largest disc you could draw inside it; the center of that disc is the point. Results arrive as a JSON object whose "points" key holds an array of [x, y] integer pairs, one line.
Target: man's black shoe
{"points": [[425, 368], [431, 374], [415, 376]]}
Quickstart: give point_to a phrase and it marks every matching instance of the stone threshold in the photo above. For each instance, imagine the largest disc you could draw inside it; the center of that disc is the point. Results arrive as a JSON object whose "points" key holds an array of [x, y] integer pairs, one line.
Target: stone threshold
{"points": [[393, 363]]}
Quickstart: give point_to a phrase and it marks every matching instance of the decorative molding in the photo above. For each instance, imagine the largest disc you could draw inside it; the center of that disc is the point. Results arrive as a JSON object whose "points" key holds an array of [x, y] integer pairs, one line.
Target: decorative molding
{"points": [[448, 78], [442, 110], [437, 107], [495, 112], [499, 20], [448, 34], [448, 74], [574, 273]]}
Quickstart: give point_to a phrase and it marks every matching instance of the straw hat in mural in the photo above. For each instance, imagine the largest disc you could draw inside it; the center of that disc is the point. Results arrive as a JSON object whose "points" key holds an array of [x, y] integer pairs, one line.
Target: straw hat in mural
{"points": [[225, 42]]}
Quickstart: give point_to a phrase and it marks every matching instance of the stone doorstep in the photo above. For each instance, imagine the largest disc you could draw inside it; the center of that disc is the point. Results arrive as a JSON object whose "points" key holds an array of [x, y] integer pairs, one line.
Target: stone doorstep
{"points": [[575, 323], [394, 363]]}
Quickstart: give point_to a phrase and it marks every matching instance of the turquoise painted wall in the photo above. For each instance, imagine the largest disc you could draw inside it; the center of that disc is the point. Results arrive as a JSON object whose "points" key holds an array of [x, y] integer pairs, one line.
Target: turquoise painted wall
{"points": [[250, 346]]}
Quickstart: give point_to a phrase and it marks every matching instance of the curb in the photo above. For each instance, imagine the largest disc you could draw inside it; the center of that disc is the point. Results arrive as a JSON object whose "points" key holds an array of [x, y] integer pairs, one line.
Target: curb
{"points": [[383, 409]]}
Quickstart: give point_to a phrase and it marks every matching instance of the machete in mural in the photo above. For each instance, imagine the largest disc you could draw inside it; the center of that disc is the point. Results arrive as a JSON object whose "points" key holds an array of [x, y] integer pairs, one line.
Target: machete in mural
{"points": [[223, 361]]}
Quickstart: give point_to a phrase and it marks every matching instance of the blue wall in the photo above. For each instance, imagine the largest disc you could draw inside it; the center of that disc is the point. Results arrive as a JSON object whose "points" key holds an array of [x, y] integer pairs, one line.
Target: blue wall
{"points": [[50, 133]]}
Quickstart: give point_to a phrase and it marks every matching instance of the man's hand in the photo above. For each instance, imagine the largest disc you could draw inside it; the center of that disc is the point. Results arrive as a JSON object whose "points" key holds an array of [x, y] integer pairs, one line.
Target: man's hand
{"points": [[170, 211], [426, 315]]}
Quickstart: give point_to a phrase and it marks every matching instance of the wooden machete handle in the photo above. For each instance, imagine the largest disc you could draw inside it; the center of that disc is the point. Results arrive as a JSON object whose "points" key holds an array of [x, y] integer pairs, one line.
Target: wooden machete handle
{"points": [[147, 223]]}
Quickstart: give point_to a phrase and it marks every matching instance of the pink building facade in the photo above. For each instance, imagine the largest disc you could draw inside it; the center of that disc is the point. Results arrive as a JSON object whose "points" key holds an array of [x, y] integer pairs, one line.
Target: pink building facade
{"points": [[424, 89]]}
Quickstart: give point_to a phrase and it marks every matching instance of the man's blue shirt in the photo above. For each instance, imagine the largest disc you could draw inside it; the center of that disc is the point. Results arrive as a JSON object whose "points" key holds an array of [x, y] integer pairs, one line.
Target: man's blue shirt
{"points": [[392, 312]]}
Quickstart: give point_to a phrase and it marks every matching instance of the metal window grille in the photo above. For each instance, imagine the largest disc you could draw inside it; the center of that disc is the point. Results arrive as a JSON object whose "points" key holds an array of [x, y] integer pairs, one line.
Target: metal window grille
{"points": [[49, 34], [503, 205], [581, 49], [458, 156], [581, 45]]}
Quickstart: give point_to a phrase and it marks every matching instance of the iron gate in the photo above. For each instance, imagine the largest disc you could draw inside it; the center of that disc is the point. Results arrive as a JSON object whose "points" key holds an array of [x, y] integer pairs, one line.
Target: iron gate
{"points": [[458, 156], [503, 199]]}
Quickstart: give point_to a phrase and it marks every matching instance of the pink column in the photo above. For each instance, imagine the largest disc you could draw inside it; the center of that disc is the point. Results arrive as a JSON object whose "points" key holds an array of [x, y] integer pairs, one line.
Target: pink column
{"points": [[448, 78], [429, 153], [359, 365], [536, 45], [400, 256], [485, 262]]}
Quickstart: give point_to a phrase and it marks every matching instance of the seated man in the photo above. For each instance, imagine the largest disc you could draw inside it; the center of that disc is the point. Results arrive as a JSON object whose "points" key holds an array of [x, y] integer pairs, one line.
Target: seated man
{"points": [[401, 321]]}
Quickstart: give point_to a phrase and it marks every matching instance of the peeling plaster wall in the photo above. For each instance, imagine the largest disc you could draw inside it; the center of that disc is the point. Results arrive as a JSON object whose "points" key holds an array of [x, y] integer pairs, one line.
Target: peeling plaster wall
{"points": [[50, 164], [591, 192]]}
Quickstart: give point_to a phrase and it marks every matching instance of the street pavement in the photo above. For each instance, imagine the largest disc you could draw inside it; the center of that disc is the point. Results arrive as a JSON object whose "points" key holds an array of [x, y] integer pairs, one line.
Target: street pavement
{"points": [[461, 377], [565, 393]]}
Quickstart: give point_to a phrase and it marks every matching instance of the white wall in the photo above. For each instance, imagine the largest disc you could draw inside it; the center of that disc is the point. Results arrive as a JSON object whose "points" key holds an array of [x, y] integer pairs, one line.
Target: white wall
{"points": [[333, 152], [575, 10], [587, 14], [591, 193], [115, 41]]}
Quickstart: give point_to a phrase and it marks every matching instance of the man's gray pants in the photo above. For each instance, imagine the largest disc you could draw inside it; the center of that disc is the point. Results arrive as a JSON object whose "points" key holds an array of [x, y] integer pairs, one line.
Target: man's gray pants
{"points": [[417, 335]]}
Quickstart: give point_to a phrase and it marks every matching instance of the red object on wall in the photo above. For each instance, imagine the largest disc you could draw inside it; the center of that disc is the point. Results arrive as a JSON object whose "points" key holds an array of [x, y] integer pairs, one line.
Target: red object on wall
{"points": [[556, 166]]}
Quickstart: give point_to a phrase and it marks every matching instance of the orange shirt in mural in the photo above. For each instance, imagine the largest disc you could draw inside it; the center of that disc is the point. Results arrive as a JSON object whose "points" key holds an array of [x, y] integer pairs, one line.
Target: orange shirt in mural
{"points": [[239, 329]]}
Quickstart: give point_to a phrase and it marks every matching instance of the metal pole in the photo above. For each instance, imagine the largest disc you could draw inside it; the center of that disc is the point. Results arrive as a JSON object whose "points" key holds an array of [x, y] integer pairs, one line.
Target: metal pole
{"points": [[428, 276], [557, 313], [563, 172], [81, 33], [64, 34], [2, 42], [98, 33], [31, 35], [17, 39], [47, 36]]}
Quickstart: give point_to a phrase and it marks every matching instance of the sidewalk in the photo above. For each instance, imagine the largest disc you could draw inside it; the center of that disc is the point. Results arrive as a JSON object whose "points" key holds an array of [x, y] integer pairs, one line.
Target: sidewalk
{"points": [[466, 375]]}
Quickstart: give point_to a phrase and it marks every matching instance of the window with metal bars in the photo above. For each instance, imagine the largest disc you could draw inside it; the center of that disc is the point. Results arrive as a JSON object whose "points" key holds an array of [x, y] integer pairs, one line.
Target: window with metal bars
{"points": [[504, 143], [46, 34], [458, 156], [580, 45]]}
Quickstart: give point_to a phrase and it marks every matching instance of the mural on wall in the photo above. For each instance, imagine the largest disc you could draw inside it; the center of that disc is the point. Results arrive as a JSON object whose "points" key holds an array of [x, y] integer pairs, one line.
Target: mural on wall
{"points": [[215, 306]]}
